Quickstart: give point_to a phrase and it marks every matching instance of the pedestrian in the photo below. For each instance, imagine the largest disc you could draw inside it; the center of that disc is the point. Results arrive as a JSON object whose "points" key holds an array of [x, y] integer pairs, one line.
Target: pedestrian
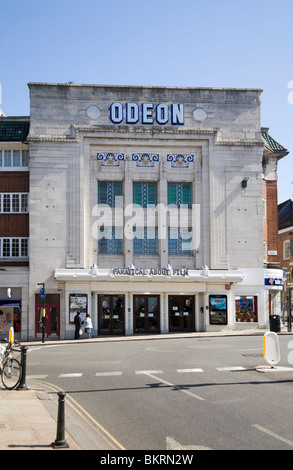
{"points": [[77, 322], [88, 325]]}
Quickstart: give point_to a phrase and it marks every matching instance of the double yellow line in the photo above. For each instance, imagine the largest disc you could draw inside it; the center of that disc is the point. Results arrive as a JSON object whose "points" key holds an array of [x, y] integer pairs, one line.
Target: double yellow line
{"points": [[83, 413]]}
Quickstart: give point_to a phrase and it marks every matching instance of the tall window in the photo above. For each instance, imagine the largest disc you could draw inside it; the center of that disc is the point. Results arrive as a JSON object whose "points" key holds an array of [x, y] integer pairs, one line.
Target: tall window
{"points": [[180, 237], [180, 194], [180, 241], [110, 241], [145, 241], [286, 249], [145, 194]]}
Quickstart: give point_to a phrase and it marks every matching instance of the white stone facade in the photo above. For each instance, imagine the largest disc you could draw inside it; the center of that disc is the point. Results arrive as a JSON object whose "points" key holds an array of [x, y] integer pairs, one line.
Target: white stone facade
{"points": [[75, 143]]}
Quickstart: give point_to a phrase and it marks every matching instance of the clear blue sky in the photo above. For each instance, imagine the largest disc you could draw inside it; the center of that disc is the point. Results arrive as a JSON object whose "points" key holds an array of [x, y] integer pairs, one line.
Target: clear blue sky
{"points": [[209, 43]]}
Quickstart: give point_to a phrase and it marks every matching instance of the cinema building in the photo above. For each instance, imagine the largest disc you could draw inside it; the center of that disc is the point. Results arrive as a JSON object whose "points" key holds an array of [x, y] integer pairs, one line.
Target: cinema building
{"points": [[151, 208]]}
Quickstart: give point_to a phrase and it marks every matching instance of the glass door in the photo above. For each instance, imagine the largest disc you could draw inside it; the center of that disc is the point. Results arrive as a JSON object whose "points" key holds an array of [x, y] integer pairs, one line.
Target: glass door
{"points": [[181, 313], [52, 316], [111, 314], [146, 313]]}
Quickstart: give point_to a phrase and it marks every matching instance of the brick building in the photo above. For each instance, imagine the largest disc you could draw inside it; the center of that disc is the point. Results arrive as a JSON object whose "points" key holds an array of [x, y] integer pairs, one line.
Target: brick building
{"points": [[14, 223], [286, 238], [148, 208]]}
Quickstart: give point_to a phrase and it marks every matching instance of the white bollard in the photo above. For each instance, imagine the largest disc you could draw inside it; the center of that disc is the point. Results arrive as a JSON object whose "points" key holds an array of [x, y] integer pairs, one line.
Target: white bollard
{"points": [[272, 348]]}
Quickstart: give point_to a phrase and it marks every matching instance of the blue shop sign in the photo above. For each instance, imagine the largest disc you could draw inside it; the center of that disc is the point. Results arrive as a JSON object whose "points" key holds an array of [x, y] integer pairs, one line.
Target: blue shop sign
{"points": [[270, 281]]}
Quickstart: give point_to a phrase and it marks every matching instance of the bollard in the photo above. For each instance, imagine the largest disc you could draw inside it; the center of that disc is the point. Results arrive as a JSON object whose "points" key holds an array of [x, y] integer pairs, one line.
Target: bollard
{"points": [[22, 384], [60, 442]]}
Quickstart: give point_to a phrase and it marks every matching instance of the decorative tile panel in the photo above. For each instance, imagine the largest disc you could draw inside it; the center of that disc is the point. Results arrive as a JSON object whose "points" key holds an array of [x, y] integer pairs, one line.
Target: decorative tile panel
{"points": [[145, 159], [180, 160], [110, 158]]}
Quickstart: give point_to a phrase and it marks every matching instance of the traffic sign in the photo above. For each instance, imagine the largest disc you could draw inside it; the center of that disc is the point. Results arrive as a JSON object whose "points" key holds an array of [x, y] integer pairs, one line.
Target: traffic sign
{"points": [[43, 292]]}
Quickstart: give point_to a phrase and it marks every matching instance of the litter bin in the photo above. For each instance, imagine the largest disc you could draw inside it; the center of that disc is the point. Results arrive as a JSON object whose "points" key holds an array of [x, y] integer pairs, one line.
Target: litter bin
{"points": [[275, 323]]}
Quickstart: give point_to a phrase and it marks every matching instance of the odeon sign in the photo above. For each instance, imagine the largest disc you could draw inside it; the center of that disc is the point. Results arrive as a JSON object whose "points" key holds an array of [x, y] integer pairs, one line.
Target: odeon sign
{"points": [[147, 113]]}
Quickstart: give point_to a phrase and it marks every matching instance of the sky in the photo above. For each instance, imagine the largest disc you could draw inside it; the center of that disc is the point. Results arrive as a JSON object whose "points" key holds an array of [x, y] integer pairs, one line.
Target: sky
{"points": [[197, 43]]}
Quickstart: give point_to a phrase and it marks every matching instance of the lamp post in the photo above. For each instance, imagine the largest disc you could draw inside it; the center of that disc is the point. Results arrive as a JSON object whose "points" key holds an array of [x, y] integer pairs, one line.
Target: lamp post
{"points": [[43, 295]]}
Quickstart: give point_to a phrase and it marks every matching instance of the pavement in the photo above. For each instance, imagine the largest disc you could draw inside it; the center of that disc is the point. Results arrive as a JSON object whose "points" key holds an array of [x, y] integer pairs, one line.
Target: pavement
{"points": [[28, 418]]}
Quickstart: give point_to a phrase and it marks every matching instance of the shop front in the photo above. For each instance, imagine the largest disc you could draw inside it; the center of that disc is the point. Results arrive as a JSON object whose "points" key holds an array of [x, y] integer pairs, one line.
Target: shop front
{"points": [[13, 307], [123, 303]]}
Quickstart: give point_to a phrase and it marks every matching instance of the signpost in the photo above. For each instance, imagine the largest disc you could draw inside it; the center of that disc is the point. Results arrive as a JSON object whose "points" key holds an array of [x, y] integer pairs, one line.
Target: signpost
{"points": [[289, 296], [43, 294]]}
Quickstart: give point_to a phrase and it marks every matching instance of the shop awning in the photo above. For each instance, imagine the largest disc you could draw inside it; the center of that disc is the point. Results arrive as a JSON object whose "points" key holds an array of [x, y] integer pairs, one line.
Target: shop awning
{"points": [[7, 303]]}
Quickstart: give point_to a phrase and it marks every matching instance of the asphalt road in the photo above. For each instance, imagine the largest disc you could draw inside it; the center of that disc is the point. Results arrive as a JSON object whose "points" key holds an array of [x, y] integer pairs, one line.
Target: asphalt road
{"points": [[173, 393]]}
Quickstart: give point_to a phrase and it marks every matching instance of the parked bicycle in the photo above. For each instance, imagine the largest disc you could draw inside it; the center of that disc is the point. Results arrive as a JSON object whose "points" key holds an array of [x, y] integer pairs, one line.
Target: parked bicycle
{"points": [[10, 367]]}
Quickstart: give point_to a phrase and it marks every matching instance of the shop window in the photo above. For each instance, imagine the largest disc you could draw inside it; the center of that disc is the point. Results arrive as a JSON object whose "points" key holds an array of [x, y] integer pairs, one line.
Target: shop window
{"points": [[10, 316], [246, 308], [218, 310]]}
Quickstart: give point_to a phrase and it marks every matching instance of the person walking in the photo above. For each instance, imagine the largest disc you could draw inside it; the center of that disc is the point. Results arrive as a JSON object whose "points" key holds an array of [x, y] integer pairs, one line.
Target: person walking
{"points": [[88, 325], [77, 322]]}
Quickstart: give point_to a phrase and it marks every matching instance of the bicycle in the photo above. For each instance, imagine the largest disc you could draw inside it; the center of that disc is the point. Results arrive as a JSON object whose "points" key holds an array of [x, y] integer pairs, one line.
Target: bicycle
{"points": [[10, 367]]}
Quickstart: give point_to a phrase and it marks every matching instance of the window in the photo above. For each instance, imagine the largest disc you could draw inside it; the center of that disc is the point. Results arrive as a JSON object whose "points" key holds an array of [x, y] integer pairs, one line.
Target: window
{"points": [[13, 247], [218, 310], [180, 194], [246, 308], [14, 158], [145, 194], [110, 193], [145, 241], [179, 241], [286, 249], [13, 203], [110, 241]]}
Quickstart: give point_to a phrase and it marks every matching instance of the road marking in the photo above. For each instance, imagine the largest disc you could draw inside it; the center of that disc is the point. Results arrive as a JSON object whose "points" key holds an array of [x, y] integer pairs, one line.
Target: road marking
{"points": [[84, 414], [61, 376], [108, 374], [273, 434], [176, 387], [37, 376], [186, 371], [230, 369], [147, 372], [171, 444]]}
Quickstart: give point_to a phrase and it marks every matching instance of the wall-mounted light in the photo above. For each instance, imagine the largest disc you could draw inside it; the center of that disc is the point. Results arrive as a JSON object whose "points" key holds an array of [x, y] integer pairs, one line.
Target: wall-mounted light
{"points": [[244, 182]]}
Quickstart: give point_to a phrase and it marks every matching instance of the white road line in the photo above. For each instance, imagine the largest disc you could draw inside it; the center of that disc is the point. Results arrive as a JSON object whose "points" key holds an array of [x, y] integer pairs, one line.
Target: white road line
{"points": [[273, 434], [61, 376], [36, 376], [230, 369], [186, 371], [147, 372], [108, 374], [176, 387]]}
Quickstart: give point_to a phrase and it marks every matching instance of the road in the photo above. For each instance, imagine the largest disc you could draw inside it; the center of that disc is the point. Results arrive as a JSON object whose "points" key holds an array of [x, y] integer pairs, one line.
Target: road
{"points": [[189, 393]]}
